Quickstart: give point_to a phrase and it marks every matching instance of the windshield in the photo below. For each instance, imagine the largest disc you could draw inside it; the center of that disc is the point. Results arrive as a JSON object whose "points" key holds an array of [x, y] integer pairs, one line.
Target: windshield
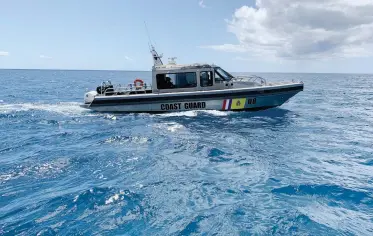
{"points": [[222, 73]]}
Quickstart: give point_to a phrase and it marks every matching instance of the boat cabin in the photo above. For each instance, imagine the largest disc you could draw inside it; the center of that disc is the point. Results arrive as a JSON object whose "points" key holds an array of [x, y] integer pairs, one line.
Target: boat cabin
{"points": [[187, 78], [173, 78]]}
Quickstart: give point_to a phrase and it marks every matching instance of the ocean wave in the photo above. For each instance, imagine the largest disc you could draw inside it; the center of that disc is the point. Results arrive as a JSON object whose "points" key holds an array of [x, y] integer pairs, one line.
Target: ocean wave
{"points": [[334, 192], [42, 170], [123, 206], [127, 139], [195, 113], [170, 126], [339, 219]]}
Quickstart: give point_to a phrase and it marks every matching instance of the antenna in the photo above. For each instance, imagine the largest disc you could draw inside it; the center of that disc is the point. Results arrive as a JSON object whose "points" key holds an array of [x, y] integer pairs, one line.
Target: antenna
{"points": [[156, 57], [147, 32]]}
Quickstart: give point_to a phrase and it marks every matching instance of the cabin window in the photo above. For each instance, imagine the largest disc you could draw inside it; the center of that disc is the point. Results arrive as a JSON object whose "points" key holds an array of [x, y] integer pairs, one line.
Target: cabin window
{"points": [[176, 80], [221, 75], [218, 78], [206, 78]]}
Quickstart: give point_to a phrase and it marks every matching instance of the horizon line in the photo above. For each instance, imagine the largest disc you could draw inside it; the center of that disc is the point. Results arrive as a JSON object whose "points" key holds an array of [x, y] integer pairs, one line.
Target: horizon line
{"points": [[116, 70]]}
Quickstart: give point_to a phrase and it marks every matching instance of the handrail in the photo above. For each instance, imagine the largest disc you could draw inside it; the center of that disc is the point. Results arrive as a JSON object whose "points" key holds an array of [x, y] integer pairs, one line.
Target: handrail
{"points": [[250, 78], [131, 87], [119, 88]]}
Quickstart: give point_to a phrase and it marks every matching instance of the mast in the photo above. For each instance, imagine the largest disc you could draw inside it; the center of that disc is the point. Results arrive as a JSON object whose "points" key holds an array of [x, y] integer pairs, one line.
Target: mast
{"points": [[156, 57]]}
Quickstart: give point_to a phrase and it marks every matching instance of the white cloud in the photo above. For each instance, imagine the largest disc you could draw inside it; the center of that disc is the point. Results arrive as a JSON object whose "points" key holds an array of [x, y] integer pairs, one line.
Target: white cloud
{"points": [[227, 47], [201, 4], [45, 57], [302, 29], [4, 54], [128, 58]]}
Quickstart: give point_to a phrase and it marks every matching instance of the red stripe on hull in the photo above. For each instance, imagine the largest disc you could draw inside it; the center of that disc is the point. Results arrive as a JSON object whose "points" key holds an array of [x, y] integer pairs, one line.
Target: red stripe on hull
{"points": [[225, 101]]}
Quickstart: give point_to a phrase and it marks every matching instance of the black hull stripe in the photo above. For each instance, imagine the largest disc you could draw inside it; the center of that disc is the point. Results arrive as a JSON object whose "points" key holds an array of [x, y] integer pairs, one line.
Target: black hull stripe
{"points": [[155, 99]]}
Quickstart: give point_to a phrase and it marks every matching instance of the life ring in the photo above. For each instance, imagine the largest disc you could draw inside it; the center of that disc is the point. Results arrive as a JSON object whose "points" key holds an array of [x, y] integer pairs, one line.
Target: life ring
{"points": [[138, 81]]}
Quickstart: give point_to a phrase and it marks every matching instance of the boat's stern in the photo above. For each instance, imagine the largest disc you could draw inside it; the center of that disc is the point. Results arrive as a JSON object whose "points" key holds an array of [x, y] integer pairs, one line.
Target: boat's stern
{"points": [[86, 106], [88, 99]]}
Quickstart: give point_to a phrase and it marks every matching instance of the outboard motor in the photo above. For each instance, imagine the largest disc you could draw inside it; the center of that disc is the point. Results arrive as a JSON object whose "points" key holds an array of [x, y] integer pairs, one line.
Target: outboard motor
{"points": [[89, 97]]}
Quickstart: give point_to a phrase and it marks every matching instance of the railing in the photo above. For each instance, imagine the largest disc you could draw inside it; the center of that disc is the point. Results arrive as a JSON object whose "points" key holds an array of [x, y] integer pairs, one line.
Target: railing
{"points": [[254, 78], [108, 88], [250, 78], [131, 87]]}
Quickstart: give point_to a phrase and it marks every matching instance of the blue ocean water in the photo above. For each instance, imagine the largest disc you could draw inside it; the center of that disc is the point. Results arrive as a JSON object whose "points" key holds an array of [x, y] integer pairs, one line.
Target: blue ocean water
{"points": [[305, 168]]}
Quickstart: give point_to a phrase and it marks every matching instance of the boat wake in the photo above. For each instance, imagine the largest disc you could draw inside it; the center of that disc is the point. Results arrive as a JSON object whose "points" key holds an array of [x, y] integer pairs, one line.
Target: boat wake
{"points": [[73, 109], [65, 108], [195, 113]]}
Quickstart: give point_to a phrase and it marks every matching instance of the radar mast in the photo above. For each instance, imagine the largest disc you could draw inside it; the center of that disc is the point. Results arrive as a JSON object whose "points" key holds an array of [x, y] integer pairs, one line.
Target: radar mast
{"points": [[156, 57]]}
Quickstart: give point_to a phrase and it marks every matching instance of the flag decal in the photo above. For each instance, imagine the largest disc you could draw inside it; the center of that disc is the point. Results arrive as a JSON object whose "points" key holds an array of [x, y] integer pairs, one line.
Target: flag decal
{"points": [[233, 104], [238, 103], [227, 104]]}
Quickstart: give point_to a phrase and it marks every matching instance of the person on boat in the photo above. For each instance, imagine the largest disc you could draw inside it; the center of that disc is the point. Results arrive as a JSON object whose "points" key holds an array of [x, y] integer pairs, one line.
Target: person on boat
{"points": [[206, 79], [168, 83]]}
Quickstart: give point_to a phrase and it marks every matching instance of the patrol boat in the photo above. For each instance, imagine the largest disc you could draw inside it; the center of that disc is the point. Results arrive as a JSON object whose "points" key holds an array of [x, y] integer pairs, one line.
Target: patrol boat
{"points": [[190, 87]]}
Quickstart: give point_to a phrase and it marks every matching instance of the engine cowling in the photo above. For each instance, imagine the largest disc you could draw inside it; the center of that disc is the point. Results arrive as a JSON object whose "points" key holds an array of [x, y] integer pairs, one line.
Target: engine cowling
{"points": [[89, 97]]}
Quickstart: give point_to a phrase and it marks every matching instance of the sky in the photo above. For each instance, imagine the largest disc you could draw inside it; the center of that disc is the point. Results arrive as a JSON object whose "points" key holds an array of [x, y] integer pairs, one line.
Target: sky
{"points": [[329, 36]]}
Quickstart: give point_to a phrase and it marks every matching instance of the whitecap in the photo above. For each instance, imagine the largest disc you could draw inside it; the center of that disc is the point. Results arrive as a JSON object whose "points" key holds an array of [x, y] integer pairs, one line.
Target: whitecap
{"points": [[175, 127], [115, 197], [44, 169], [216, 112], [126, 139], [110, 117], [182, 113], [170, 126]]}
